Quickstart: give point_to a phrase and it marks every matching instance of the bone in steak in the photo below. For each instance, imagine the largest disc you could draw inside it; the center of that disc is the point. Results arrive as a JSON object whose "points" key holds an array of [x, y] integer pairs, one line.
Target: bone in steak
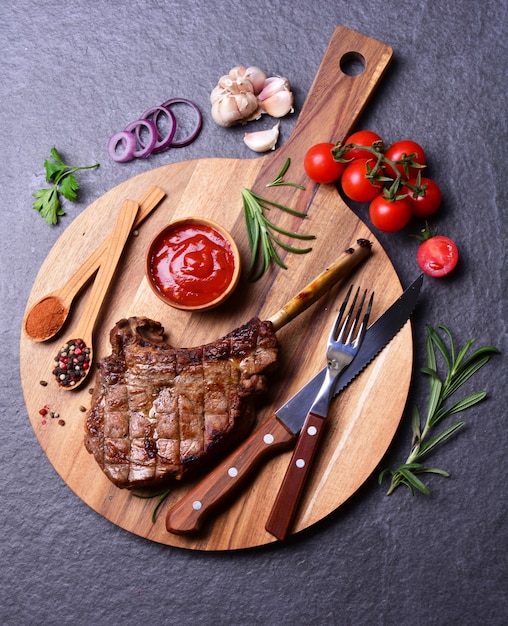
{"points": [[159, 412]]}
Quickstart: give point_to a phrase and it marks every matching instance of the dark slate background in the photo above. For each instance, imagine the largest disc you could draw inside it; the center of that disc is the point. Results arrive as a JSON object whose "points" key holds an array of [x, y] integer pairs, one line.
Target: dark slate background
{"points": [[71, 74]]}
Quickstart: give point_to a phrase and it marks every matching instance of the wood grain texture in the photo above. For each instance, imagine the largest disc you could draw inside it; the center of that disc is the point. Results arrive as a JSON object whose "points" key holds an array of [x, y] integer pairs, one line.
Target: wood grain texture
{"points": [[363, 419]]}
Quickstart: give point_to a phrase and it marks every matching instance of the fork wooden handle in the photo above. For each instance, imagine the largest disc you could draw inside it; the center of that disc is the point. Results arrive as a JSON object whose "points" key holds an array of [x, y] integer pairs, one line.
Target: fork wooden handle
{"points": [[287, 500]]}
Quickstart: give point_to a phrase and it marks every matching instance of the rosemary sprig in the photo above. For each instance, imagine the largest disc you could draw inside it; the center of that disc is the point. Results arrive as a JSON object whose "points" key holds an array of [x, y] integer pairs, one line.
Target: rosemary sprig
{"points": [[459, 368], [279, 181], [261, 232], [160, 499]]}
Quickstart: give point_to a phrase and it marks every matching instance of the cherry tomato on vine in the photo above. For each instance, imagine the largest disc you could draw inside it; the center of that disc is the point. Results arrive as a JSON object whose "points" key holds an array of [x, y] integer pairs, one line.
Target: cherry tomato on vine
{"points": [[403, 148], [361, 138], [427, 204], [320, 165], [355, 183], [437, 256], [390, 215]]}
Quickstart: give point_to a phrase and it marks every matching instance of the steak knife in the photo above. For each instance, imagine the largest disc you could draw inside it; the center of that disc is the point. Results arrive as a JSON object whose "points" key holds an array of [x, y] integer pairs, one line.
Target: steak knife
{"points": [[280, 431]]}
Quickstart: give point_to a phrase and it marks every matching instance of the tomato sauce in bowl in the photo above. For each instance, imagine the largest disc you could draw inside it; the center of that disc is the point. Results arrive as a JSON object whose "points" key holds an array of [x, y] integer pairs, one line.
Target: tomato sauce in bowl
{"points": [[193, 264]]}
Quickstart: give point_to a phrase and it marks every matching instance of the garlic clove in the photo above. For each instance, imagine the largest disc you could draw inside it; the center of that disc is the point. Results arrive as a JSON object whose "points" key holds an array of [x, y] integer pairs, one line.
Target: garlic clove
{"points": [[225, 112], [226, 82], [262, 140], [257, 77], [278, 105], [273, 85], [237, 72], [217, 93], [231, 109], [247, 103]]}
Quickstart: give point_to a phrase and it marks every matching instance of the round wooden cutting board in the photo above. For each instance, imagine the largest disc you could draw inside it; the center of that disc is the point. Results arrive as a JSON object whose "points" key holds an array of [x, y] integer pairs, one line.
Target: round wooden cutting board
{"points": [[363, 419]]}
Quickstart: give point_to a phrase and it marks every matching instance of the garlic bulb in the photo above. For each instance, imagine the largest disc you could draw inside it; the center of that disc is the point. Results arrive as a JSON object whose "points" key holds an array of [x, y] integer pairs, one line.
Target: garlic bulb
{"points": [[245, 93], [262, 140]]}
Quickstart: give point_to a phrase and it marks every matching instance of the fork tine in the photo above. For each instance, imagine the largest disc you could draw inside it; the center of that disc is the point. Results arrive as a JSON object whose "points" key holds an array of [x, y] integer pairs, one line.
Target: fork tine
{"points": [[338, 319], [357, 318], [365, 320]]}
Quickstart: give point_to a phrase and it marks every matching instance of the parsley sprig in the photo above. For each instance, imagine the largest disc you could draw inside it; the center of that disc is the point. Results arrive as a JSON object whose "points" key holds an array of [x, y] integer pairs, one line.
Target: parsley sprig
{"points": [[459, 368], [47, 201], [262, 233]]}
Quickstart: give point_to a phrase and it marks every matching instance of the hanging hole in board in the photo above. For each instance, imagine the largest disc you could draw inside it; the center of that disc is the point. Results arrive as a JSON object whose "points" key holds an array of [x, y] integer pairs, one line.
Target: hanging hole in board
{"points": [[352, 63]]}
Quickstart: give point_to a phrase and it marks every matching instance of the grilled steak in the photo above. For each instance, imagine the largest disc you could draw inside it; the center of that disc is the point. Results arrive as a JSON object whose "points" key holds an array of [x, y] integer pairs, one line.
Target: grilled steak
{"points": [[159, 412]]}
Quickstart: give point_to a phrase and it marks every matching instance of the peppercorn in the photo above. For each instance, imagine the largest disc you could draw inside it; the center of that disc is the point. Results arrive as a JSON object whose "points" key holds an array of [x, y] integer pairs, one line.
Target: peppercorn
{"points": [[72, 362]]}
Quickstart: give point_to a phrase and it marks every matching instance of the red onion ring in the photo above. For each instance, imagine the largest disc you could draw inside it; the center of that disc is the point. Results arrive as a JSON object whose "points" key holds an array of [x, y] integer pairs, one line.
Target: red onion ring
{"points": [[128, 143], [195, 132], [153, 114], [145, 148], [130, 138]]}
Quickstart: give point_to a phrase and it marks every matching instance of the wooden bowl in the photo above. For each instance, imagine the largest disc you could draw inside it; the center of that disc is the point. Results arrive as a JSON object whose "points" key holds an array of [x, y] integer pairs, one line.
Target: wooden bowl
{"points": [[193, 264]]}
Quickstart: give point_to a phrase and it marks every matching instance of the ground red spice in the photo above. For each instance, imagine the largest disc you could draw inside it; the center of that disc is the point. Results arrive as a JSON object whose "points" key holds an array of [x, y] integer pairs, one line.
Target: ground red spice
{"points": [[45, 319]]}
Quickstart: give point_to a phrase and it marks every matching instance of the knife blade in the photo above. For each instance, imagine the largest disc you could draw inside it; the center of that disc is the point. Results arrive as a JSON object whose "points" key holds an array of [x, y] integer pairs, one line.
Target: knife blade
{"points": [[281, 430]]}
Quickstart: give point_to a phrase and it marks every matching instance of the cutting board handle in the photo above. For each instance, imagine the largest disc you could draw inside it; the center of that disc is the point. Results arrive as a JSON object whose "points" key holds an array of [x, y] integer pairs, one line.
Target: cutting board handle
{"points": [[335, 100]]}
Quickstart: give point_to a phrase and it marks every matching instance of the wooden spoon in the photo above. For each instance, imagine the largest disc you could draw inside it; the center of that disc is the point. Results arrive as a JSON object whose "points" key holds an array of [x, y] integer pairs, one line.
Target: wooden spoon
{"points": [[76, 355], [54, 307]]}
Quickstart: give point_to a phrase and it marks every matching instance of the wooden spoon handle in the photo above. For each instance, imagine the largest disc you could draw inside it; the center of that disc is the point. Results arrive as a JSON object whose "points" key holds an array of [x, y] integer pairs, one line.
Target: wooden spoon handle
{"points": [[109, 262], [85, 272], [341, 268]]}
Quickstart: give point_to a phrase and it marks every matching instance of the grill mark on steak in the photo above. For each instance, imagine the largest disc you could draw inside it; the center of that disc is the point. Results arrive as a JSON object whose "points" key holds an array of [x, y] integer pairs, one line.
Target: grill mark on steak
{"points": [[160, 412]]}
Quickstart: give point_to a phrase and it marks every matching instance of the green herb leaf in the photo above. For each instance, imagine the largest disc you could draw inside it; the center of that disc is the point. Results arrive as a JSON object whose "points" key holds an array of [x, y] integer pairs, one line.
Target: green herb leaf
{"points": [[48, 204], [55, 155], [411, 481], [69, 188], [261, 231], [459, 369], [47, 201], [279, 181], [426, 447], [52, 170]]}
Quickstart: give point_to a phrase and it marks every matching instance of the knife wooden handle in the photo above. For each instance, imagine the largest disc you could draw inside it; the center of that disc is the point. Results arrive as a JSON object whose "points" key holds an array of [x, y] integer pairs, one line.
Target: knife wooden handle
{"points": [[187, 515], [286, 503]]}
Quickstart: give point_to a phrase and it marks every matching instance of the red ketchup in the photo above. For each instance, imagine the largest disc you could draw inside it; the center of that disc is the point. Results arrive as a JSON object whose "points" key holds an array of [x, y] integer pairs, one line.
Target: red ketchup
{"points": [[191, 264]]}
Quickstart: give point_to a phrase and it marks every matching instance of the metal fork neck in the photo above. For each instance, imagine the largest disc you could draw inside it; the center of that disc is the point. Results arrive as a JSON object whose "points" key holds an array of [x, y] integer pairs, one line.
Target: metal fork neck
{"points": [[325, 394]]}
